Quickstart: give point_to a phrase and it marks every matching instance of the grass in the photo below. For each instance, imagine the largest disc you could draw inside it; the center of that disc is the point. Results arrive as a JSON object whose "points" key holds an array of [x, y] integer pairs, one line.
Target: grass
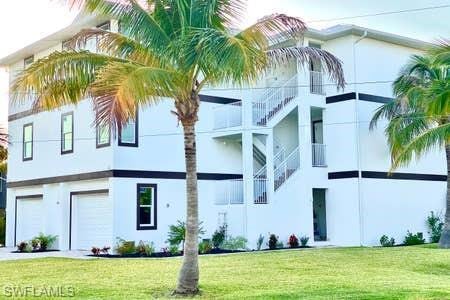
{"points": [[418, 272]]}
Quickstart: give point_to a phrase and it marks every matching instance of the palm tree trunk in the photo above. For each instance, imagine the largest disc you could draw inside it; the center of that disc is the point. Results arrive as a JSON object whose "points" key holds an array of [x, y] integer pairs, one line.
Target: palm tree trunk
{"points": [[189, 273], [444, 241]]}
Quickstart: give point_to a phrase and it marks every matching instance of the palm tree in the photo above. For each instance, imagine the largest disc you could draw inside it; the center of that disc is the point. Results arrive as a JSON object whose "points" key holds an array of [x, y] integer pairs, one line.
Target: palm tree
{"points": [[167, 49], [3, 137], [419, 116]]}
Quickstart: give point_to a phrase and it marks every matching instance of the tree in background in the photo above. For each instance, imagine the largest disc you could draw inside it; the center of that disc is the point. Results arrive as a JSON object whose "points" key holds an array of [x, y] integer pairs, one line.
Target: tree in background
{"points": [[167, 50], [419, 116]]}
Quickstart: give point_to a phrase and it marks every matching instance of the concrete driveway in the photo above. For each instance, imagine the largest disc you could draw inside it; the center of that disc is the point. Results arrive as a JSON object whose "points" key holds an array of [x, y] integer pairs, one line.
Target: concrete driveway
{"points": [[5, 254]]}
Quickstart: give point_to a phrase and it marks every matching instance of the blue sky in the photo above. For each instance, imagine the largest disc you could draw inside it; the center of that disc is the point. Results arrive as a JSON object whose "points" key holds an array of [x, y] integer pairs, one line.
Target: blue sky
{"points": [[39, 18]]}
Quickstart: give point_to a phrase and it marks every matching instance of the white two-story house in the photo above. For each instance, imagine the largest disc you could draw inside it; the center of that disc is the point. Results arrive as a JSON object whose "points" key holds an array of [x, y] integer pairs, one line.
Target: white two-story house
{"points": [[289, 155]]}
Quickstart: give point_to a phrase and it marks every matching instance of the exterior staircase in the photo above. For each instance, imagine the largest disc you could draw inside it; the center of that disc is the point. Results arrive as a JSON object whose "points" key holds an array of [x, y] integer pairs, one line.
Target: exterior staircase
{"points": [[286, 168]]}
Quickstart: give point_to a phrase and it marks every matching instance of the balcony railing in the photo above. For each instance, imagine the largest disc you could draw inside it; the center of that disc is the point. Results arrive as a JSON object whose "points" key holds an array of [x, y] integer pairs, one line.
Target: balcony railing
{"points": [[229, 192], [319, 155], [316, 83], [228, 115], [286, 168]]}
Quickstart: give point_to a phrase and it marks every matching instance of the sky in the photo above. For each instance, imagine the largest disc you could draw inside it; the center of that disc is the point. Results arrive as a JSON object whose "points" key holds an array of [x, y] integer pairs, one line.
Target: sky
{"points": [[24, 21]]}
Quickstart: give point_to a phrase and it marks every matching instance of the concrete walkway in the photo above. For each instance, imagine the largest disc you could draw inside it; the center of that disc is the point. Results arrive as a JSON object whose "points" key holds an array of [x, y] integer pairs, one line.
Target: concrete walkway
{"points": [[5, 254]]}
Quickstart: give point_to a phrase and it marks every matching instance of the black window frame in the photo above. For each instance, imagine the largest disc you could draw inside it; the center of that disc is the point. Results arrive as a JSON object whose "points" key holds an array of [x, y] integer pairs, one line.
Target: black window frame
{"points": [[136, 134], [154, 226], [32, 142], [63, 134], [97, 138], [25, 64]]}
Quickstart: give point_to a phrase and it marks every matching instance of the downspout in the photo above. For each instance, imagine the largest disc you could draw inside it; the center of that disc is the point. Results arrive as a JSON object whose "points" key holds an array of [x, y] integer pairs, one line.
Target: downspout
{"points": [[358, 141]]}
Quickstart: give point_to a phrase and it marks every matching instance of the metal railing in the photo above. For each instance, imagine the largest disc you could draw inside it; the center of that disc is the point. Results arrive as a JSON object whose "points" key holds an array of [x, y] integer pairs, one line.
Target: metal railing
{"points": [[319, 155], [229, 192], [228, 115], [287, 168], [260, 190], [273, 101], [316, 83]]}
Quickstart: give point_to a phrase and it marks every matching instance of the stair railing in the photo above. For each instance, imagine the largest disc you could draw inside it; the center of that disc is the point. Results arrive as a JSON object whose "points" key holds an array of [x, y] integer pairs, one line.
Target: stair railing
{"points": [[288, 167]]}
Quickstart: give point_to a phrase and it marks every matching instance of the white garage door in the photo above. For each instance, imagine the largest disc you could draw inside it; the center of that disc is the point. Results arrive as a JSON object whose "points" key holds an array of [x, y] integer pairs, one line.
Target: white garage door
{"points": [[30, 218], [93, 221]]}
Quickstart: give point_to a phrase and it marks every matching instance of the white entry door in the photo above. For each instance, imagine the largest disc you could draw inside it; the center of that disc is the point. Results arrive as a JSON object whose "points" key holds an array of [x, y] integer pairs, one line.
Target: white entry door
{"points": [[30, 218], [92, 221]]}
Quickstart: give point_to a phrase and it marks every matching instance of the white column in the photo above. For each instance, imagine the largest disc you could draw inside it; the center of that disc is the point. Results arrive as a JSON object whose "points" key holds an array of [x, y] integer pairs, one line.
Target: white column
{"points": [[247, 168], [63, 203], [270, 164], [10, 217], [304, 131]]}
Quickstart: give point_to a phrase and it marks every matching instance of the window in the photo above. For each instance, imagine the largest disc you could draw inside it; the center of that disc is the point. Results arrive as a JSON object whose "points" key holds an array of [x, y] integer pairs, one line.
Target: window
{"points": [[146, 206], [27, 142], [128, 134], [28, 61], [104, 26], [103, 136], [67, 133]]}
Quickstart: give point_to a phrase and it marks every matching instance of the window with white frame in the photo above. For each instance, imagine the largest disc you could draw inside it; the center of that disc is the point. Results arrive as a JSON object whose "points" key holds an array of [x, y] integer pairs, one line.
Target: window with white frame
{"points": [[27, 142], [67, 133], [146, 207]]}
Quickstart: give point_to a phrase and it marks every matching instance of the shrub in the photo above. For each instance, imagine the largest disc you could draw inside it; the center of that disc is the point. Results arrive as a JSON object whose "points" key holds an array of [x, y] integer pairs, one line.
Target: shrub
{"points": [[273, 241], [205, 247], [125, 247], [304, 240], [43, 242], [385, 241], [414, 239], [435, 225], [218, 236], [22, 246], [95, 251], [293, 241], [173, 250], [235, 243], [177, 234], [144, 248], [259, 242]]}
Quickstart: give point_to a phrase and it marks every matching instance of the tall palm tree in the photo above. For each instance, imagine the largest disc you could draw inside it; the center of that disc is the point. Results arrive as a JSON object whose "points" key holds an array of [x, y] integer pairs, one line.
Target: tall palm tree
{"points": [[419, 117], [167, 49]]}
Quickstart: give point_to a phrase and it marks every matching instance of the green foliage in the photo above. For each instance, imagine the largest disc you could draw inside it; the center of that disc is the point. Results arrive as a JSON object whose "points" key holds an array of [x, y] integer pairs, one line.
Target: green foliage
{"points": [[205, 247], [235, 243], [259, 242], [304, 240], [435, 226], [273, 241], [177, 234], [124, 247], [413, 239], [385, 241], [43, 242], [144, 248], [218, 236], [174, 250]]}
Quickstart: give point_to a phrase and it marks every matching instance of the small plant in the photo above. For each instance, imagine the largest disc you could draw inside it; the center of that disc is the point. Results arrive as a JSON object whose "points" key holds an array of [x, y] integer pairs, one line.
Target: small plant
{"points": [[304, 240], [125, 247], [414, 239], [105, 250], [205, 247], [385, 241], [259, 242], [174, 250], [145, 249], [293, 241], [235, 243], [435, 225], [43, 241], [95, 251], [35, 244], [177, 234], [218, 236], [165, 251], [273, 241], [22, 246]]}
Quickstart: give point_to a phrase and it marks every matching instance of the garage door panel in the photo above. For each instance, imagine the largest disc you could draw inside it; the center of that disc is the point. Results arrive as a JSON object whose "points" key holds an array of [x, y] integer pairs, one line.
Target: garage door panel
{"points": [[93, 221], [30, 218]]}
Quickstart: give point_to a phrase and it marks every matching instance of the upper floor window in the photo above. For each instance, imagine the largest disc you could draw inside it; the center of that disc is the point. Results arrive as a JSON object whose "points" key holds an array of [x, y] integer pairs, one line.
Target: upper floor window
{"points": [[128, 134], [103, 136], [105, 26], [146, 207], [67, 133], [28, 61], [27, 153]]}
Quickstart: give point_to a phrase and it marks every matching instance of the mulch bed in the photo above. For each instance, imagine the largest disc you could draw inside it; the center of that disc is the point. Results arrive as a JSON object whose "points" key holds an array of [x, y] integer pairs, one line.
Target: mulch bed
{"points": [[34, 251], [163, 254]]}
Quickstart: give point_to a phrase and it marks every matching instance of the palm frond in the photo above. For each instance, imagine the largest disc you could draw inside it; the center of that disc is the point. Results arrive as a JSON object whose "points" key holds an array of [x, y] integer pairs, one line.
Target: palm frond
{"points": [[330, 64], [3, 137]]}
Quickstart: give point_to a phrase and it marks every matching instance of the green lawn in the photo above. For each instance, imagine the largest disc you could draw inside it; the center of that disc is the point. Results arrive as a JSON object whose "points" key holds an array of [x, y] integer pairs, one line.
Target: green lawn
{"points": [[359, 273]]}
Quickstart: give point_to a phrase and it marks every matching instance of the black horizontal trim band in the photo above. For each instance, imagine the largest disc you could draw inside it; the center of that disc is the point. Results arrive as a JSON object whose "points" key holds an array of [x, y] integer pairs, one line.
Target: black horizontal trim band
{"points": [[361, 96], [216, 99], [403, 176], [121, 174], [343, 174]]}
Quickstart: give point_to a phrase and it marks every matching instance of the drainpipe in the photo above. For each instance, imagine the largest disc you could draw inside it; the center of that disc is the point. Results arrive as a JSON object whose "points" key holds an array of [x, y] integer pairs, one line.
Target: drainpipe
{"points": [[358, 141]]}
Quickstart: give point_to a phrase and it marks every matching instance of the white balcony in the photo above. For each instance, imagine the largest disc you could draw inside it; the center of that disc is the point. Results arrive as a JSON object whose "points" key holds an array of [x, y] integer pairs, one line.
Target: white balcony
{"points": [[228, 115], [319, 155], [229, 192]]}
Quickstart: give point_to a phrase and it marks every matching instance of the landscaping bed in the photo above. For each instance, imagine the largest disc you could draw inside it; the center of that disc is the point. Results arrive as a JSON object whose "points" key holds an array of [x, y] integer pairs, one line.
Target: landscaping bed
{"points": [[161, 254]]}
